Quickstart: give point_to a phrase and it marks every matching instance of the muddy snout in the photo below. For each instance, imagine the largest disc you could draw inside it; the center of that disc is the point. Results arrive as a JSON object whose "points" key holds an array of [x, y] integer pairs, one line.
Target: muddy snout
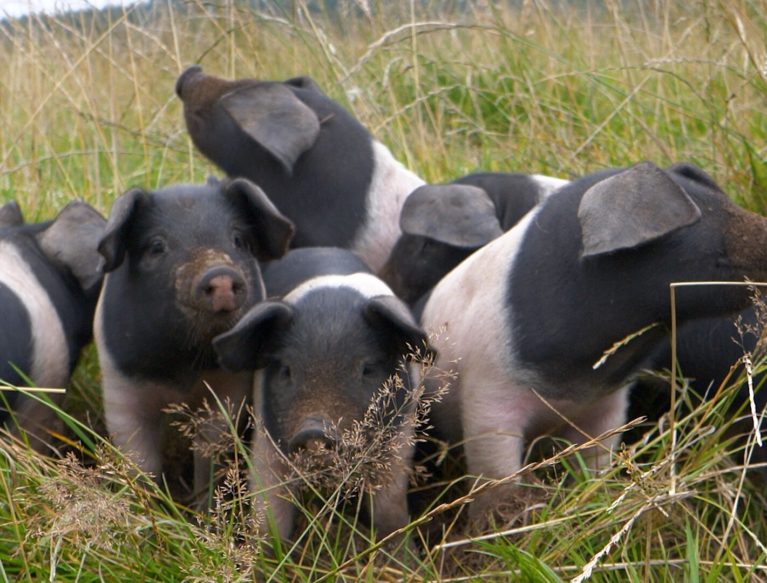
{"points": [[211, 283], [315, 434], [220, 289]]}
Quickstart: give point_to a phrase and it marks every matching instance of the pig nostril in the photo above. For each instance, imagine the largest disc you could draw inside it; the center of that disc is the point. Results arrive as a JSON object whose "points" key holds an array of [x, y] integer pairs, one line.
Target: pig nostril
{"points": [[221, 292], [220, 285], [312, 440], [317, 445]]}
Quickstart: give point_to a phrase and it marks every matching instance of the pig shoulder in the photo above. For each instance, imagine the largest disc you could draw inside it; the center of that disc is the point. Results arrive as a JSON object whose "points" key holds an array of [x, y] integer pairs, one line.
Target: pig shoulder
{"points": [[467, 310]]}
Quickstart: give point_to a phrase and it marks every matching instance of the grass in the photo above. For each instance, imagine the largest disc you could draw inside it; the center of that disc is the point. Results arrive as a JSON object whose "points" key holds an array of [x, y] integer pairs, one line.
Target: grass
{"points": [[87, 110]]}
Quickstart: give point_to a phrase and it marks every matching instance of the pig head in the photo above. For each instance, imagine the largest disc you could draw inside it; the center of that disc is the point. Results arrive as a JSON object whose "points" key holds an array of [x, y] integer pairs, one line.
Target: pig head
{"points": [[324, 354], [442, 224], [319, 165], [531, 314], [183, 267], [50, 275]]}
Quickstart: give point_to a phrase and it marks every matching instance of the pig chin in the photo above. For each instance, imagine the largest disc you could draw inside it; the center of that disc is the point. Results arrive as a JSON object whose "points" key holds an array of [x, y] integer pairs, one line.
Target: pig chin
{"points": [[204, 325]]}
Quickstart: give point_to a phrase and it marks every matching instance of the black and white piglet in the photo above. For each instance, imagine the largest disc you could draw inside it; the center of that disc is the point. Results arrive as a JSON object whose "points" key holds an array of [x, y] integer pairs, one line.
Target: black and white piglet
{"points": [[182, 267], [322, 352], [529, 316], [50, 275], [442, 224], [315, 161]]}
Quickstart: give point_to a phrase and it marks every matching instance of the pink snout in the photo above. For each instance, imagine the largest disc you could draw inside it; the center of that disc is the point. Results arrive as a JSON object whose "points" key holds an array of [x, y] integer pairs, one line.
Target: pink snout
{"points": [[314, 434], [221, 290]]}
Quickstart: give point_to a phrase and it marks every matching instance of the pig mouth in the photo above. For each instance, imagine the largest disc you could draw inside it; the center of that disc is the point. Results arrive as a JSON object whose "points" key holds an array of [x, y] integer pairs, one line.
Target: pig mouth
{"points": [[203, 326]]}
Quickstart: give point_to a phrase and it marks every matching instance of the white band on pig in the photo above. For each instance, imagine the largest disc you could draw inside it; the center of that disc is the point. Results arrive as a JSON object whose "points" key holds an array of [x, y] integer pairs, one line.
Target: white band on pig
{"points": [[367, 285], [548, 184], [50, 362], [390, 185]]}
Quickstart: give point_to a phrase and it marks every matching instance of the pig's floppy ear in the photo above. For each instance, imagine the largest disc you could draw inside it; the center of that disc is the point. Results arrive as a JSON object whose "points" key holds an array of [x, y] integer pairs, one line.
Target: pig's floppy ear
{"points": [[10, 215], [272, 229], [275, 118], [72, 239], [456, 214], [634, 207], [391, 313], [245, 346], [114, 241], [304, 82], [692, 172]]}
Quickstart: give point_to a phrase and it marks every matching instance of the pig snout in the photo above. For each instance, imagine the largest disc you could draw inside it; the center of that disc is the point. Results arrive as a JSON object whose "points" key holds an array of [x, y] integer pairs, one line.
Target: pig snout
{"points": [[220, 289], [314, 434]]}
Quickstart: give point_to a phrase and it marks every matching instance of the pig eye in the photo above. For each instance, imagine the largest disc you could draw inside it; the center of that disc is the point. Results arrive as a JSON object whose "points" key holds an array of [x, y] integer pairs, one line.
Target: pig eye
{"points": [[284, 373], [156, 247], [370, 369], [238, 240]]}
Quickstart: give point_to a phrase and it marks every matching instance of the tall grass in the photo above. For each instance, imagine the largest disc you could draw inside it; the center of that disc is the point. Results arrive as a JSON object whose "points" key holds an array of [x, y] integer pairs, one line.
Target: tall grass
{"points": [[87, 110]]}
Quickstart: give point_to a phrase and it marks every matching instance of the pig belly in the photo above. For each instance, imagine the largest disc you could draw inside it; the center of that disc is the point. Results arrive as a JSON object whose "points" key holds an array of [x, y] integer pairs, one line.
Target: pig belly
{"points": [[501, 417]]}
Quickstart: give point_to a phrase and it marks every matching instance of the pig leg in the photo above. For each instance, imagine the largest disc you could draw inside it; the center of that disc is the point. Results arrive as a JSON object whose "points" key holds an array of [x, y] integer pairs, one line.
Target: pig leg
{"points": [[214, 436], [37, 420], [605, 414], [271, 500], [133, 414], [494, 420], [389, 504], [495, 416]]}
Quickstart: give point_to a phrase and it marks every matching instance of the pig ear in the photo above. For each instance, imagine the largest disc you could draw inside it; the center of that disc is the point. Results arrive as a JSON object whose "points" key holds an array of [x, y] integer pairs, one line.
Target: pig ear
{"points": [[72, 239], [692, 172], [634, 207], [304, 82], [186, 75], [391, 313], [272, 229], [275, 118], [246, 346], [114, 241], [10, 215], [456, 214]]}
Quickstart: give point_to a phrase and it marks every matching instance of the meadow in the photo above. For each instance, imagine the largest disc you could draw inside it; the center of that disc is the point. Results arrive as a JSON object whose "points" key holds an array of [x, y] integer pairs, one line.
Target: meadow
{"points": [[87, 110]]}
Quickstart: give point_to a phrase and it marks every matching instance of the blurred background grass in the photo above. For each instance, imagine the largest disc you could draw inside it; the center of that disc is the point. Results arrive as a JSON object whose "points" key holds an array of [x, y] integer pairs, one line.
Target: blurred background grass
{"points": [[87, 107]]}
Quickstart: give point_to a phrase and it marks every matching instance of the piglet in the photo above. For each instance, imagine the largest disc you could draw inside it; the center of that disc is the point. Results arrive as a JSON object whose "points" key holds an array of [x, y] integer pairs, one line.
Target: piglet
{"points": [[319, 164], [182, 266], [50, 276], [322, 352], [442, 224], [529, 317]]}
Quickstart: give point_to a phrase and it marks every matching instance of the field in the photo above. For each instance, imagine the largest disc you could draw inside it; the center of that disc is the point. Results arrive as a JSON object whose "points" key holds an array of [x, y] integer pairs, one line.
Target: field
{"points": [[87, 110]]}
